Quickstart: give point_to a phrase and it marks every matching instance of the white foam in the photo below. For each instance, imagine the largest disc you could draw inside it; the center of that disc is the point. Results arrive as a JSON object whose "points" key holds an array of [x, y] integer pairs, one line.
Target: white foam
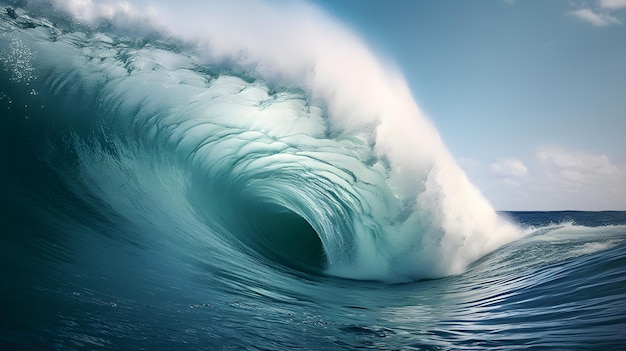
{"points": [[590, 248]]}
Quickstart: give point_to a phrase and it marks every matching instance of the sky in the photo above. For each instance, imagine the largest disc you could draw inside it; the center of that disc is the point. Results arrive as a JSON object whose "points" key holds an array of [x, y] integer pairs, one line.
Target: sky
{"points": [[529, 96]]}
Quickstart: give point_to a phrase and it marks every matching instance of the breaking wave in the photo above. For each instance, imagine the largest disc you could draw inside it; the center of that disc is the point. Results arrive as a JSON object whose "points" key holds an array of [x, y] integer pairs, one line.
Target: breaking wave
{"points": [[297, 145]]}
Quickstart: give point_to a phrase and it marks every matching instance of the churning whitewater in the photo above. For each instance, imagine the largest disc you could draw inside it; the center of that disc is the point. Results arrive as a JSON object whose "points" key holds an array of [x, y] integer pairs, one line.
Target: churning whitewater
{"points": [[197, 176]]}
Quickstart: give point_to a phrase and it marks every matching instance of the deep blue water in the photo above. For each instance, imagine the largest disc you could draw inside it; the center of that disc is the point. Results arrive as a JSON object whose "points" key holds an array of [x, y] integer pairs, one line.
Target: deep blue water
{"points": [[579, 218], [135, 216]]}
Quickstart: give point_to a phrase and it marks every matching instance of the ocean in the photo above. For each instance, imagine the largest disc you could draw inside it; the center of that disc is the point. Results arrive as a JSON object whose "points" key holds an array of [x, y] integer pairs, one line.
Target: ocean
{"points": [[175, 183]]}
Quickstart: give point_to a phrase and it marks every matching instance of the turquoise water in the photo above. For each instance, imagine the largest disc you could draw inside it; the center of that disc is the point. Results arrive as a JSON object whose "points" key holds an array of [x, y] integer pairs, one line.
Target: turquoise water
{"points": [[156, 196]]}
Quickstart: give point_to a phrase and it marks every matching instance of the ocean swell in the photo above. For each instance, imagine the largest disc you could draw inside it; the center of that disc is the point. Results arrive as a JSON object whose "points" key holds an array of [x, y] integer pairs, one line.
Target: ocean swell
{"points": [[278, 143]]}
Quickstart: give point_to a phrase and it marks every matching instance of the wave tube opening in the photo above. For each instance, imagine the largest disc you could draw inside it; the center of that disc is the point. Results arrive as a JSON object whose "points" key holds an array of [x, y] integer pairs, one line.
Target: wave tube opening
{"points": [[283, 236]]}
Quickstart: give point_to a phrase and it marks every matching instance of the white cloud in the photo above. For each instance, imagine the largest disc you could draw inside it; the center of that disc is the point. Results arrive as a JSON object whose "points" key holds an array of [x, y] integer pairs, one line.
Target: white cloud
{"points": [[613, 4], [556, 179], [568, 179], [577, 172], [597, 19], [509, 168], [510, 174]]}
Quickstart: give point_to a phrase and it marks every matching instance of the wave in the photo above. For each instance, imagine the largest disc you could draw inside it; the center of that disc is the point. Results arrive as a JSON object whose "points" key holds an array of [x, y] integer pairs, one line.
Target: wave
{"points": [[273, 140], [229, 175]]}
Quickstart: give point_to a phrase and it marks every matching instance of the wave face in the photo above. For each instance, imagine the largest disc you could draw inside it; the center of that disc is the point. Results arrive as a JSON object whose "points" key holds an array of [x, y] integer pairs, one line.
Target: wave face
{"points": [[228, 169]]}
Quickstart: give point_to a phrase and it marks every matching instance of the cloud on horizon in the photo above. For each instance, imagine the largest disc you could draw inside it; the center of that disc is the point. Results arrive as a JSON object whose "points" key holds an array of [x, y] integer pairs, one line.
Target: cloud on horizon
{"points": [[582, 179], [509, 168], [573, 171], [557, 179]]}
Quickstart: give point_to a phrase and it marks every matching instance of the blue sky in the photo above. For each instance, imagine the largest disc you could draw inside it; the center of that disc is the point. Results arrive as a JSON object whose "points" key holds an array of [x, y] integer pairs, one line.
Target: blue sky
{"points": [[529, 96]]}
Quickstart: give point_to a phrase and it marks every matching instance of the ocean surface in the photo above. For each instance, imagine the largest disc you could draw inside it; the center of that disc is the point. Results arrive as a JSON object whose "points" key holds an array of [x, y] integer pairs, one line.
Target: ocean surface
{"points": [[191, 178]]}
